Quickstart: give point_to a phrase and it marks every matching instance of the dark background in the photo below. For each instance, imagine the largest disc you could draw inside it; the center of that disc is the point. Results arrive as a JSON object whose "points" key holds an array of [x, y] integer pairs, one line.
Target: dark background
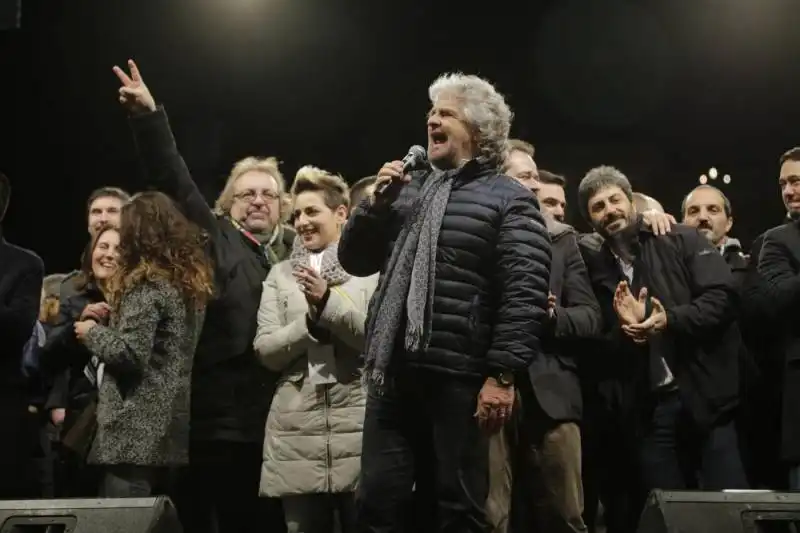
{"points": [[662, 89]]}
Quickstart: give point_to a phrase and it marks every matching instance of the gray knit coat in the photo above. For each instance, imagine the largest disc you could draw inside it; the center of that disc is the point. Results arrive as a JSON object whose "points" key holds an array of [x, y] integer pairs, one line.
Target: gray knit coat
{"points": [[143, 405]]}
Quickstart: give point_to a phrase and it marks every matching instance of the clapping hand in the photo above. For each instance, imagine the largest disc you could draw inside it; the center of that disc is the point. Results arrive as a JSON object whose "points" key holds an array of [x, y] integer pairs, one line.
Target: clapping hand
{"points": [[655, 323], [630, 310], [311, 283]]}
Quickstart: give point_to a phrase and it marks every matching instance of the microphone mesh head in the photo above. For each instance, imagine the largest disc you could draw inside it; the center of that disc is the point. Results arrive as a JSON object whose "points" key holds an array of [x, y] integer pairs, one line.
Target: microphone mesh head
{"points": [[419, 153]]}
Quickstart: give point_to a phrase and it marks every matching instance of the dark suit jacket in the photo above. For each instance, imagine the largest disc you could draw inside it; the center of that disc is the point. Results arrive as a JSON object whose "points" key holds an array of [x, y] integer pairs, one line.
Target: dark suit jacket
{"points": [[779, 266], [758, 314], [21, 275], [577, 316]]}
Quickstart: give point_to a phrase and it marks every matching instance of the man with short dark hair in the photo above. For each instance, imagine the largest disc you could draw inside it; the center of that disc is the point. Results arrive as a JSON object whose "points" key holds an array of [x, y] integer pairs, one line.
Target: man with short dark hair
{"points": [[670, 362], [779, 266], [552, 404], [551, 194], [104, 206], [709, 210], [21, 274]]}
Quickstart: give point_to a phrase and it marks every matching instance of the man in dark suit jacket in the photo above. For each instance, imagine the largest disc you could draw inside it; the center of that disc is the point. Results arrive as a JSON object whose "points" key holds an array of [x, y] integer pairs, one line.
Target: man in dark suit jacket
{"points": [[779, 267], [762, 389], [550, 473], [21, 274]]}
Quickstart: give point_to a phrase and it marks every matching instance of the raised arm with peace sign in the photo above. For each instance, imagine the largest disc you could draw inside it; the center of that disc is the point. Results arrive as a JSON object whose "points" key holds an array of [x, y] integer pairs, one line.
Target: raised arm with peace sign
{"points": [[134, 94]]}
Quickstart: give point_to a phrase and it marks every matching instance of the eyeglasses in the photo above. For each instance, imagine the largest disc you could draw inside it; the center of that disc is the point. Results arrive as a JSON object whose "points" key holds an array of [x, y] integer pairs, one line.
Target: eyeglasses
{"points": [[250, 195]]}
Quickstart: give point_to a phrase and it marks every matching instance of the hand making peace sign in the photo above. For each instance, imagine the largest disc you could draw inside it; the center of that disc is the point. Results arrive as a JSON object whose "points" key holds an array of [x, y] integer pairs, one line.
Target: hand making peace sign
{"points": [[134, 94]]}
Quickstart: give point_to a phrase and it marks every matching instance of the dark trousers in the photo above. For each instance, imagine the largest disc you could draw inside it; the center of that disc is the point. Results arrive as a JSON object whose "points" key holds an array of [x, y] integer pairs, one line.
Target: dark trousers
{"points": [[218, 491], [20, 449], [759, 428], [46, 465], [610, 467], [423, 429], [676, 454], [74, 477]]}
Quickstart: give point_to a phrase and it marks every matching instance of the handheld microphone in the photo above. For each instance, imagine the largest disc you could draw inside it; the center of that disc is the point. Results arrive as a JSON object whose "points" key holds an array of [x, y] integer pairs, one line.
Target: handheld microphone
{"points": [[415, 158]]}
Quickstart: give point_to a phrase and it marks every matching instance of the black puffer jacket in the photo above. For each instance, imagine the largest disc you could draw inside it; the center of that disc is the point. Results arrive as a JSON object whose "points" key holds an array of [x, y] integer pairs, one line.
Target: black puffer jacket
{"points": [[492, 270]]}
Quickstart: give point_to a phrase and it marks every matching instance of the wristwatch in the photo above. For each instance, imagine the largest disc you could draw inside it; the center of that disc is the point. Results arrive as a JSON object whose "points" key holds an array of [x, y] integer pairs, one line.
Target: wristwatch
{"points": [[504, 378]]}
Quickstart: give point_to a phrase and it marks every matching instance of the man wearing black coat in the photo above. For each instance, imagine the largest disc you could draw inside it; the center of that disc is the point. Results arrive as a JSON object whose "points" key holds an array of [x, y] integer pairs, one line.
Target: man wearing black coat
{"points": [[549, 475], [464, 258], [709, 210], [762, 410], [231, 391], [668, 369], [21, 275], [779, 267]]}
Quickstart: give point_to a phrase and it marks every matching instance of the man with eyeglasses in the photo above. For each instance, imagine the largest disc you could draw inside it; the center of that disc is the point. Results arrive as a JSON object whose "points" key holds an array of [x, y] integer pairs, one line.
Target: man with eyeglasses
{"points": [[231, 391], [251, 201]]}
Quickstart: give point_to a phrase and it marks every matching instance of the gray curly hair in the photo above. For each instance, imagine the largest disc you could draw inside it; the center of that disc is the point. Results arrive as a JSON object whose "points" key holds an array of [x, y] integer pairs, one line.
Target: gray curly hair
{"points": [[597, 179], [484, 108]]}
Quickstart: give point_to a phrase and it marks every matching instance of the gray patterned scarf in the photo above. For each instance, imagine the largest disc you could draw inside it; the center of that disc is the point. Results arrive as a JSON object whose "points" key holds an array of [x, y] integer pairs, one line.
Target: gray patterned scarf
{"points": [[408, 280], [331, 271]]}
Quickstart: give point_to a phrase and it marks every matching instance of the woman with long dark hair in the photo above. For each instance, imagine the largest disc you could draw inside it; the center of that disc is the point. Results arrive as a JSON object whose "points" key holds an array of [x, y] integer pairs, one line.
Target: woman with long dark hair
{"points": [[157, 298], [72, 400]]}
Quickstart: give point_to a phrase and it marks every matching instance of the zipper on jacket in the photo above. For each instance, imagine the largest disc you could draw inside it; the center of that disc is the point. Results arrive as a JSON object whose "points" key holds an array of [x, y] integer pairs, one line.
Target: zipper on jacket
{"points": [[328, 456], [474, 319], [475, 325]]}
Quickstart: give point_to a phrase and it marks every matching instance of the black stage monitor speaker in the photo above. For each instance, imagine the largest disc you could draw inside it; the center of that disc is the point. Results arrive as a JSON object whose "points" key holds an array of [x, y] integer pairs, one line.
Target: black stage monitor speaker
{"points": [[721, 512], [123, 515]]}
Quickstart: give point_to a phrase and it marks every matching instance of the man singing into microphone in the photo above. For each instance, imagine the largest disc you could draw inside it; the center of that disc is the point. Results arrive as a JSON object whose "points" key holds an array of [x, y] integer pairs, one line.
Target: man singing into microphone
{"points": [[464, 258]]}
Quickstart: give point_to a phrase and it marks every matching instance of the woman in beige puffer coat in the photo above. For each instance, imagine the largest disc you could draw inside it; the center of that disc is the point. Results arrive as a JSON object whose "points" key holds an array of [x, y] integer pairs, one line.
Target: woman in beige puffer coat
{"points": [[311, 329]]}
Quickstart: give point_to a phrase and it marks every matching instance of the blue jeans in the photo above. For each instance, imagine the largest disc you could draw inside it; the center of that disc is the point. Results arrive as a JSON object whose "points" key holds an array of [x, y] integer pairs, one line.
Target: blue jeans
{"points": [[675, 454]]}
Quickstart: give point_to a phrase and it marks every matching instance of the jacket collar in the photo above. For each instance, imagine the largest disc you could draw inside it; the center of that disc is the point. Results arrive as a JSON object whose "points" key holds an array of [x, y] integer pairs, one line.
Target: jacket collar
{"points": [[474, 168], [557, 229]]}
